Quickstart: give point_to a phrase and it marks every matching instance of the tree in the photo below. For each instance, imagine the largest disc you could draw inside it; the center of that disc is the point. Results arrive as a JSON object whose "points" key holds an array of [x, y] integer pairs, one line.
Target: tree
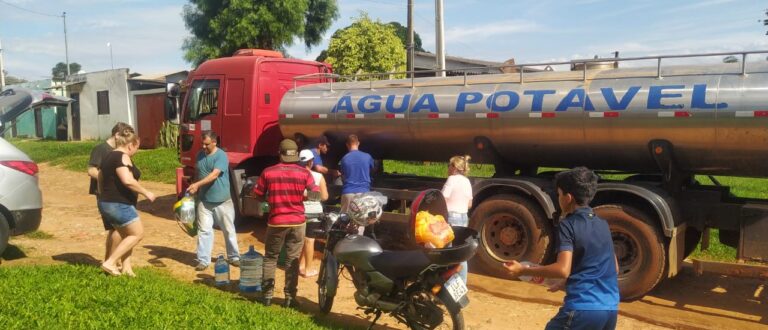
{"points": [[219, 28], [765, 21], [402, 33], [59, 72], [366, 46], [400, 30]]}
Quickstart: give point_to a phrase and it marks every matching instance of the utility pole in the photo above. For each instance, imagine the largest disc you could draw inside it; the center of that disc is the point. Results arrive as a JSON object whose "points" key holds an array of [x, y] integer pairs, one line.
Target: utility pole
{"points": [[2, 69], [439, 42], [111, 59], [411, 46], [66, 55], [66, 44]]}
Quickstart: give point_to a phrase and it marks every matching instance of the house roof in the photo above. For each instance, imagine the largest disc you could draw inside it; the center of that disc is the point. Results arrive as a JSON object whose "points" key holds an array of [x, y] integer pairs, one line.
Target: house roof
{"points": [[157, 76], [462, 59]]}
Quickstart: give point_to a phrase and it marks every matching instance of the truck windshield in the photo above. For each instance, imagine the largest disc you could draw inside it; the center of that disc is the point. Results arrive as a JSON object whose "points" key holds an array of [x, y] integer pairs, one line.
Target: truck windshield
{"points": [[203, 98]]}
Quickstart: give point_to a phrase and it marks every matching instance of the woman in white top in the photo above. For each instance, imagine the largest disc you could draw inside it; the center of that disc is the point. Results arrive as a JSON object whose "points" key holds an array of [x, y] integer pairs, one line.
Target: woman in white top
{"points": [[311, 205], [458, 196]]}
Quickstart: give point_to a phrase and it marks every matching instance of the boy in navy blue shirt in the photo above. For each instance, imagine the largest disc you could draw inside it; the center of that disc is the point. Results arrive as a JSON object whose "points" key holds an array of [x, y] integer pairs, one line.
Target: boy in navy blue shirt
{"points": [[585, 258]]}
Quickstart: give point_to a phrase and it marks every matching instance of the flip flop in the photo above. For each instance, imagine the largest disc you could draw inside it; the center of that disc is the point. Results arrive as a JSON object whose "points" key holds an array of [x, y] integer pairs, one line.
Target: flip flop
{"points": [[110, 271], [311, 273]]}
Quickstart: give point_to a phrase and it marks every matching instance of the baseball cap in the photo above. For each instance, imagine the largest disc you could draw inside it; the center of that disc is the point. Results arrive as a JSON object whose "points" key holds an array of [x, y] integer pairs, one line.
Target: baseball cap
{"points": [[289, 151], [306, 155]]}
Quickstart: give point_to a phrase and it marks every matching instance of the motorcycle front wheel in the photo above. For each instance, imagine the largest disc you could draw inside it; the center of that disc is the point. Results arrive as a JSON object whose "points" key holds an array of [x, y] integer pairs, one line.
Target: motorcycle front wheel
{"points": [[327, 282], [429, 311]]}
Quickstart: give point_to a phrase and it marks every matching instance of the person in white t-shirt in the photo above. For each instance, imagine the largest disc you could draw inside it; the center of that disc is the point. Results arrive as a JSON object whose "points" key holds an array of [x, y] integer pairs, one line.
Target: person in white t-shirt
{"points": [[458, 196], [312, 205]]}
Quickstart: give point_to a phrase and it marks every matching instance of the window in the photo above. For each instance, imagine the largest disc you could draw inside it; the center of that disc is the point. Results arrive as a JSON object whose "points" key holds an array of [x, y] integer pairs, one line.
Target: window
{"points": [[102, 102], [203, 98]]}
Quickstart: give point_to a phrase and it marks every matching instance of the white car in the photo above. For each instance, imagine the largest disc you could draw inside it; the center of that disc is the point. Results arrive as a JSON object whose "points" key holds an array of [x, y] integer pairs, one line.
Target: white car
{"points": [[21, 201]]}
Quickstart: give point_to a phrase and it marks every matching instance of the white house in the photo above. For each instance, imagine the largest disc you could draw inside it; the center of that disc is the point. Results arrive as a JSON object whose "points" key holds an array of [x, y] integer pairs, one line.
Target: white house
{"points": [[101, 100]]}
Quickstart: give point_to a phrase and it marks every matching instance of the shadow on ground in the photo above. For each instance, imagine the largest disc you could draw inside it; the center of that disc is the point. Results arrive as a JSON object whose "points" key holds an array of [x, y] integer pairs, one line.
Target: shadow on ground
{"points": [[163, 252], [306, 306], [77, 259], [12, 252]]}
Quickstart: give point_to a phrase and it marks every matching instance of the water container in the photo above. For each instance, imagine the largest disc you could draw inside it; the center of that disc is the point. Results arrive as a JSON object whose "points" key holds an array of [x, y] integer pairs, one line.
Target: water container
{"points": [[251, 271], [185, 213], [548, 282], [221, 271]]}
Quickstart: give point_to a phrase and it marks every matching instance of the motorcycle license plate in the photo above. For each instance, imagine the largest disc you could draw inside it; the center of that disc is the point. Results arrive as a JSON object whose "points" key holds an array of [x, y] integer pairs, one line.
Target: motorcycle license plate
{"points": [[456, 287]]}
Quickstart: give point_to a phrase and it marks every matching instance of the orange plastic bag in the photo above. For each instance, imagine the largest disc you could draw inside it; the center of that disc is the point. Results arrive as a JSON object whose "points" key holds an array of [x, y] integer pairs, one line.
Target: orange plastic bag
{"points": [[432, 230]]}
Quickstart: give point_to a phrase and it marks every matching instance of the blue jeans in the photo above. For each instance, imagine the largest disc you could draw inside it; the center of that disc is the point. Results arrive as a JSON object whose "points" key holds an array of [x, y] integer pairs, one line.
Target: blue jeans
{"points": [[577, 319], [224, 215], [460, 220]]}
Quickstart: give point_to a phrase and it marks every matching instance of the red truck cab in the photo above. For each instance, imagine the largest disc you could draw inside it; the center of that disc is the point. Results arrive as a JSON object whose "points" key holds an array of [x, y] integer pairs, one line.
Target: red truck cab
{"points": [[238, 97]]}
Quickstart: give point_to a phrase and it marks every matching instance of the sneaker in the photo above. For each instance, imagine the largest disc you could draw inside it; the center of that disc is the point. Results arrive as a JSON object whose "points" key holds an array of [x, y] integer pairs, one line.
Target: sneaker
{"points": [[267, 301], [234, 262], [201, 267]]}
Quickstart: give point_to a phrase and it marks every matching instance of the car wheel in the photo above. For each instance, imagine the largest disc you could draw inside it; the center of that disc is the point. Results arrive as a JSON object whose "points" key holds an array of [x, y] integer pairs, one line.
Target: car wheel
{"points": [[5, 232]]}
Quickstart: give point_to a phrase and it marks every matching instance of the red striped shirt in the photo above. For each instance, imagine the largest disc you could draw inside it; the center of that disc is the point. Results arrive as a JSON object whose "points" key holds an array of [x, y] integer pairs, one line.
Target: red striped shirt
{"points": [[284, 185]]}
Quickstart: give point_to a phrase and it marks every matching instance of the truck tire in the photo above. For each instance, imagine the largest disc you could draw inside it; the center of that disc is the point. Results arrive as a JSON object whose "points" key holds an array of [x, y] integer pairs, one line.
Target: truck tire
{"points": [[510, 227], [5, 233], [639, 248]]}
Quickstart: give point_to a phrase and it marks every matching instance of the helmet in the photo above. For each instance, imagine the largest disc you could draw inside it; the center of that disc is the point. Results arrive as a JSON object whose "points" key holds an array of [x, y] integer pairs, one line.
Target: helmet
{"points": [[366, 208]]}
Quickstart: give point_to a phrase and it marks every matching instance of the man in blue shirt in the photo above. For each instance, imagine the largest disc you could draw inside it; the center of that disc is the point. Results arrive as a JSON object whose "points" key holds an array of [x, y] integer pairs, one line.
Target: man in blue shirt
{"points": [[585, 258], [356, 167], [214, 202]]}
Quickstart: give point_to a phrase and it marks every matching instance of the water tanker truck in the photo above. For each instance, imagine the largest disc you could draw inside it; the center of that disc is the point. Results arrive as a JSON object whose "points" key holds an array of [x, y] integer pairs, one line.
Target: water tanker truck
{"points": [[665, 130]]}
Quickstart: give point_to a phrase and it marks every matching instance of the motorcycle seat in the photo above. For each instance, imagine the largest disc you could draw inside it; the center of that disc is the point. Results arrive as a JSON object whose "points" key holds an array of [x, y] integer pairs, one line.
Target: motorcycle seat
{"points": [[400, 264]]}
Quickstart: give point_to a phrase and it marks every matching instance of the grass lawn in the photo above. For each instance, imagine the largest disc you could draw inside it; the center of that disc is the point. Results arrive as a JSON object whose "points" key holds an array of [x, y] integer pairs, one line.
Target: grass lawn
{"points": [[81, 297], [156, 164]]}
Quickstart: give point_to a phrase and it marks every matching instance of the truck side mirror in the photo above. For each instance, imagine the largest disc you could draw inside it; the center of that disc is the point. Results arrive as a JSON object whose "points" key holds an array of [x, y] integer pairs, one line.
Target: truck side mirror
{"points": [[171, 110], [172, 102]]}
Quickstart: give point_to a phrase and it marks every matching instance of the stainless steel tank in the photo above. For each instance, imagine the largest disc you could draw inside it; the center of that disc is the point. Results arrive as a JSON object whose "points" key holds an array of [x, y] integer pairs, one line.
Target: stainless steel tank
{"points": [[715, 118]]}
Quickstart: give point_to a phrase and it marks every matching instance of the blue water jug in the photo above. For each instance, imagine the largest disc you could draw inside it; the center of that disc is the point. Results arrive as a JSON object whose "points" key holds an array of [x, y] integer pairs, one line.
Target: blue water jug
{"points": [[221, 271], [251, 271]]}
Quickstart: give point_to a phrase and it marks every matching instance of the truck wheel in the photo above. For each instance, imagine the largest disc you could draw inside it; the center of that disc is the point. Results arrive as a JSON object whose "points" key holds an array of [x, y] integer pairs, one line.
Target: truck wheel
{"points": [[5, 232], [639, 249], [510, 227]]}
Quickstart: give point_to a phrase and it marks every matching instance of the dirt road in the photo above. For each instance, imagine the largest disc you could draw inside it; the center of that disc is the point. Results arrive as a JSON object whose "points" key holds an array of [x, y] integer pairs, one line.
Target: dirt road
{"points": [[70, 215]]}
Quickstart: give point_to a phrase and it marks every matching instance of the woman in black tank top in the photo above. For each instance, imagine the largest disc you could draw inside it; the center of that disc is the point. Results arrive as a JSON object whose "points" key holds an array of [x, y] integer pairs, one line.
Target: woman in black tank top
{"points": [[118, 192]]}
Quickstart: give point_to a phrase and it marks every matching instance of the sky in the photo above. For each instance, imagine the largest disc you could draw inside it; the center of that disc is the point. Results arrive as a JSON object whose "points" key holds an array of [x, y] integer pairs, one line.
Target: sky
{"points": [[146, 35]]}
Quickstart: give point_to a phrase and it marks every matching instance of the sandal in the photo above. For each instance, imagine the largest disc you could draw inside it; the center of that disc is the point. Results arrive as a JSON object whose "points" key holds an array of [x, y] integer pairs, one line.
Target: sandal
{"points": [[311, 273]]}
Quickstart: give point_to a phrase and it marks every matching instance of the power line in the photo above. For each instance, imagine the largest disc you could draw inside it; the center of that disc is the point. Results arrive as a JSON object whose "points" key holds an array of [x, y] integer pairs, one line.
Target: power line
{"points": [[28, 10]]}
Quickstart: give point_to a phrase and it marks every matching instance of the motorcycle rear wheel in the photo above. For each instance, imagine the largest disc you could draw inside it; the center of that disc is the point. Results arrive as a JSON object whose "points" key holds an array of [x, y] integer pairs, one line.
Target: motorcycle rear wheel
{"points": [[428, 303]]}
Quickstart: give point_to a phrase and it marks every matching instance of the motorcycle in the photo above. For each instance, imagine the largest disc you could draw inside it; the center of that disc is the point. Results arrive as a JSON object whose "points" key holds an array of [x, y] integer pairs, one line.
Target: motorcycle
{"points": [[419, 287]]}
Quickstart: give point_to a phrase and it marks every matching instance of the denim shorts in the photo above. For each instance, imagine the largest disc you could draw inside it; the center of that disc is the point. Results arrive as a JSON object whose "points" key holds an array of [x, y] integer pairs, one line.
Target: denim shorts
{"points": [[118, 214]]}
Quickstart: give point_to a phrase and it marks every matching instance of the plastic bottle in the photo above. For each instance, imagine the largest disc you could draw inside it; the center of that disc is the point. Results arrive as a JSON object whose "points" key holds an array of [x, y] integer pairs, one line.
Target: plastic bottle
{"points": [[221, 271], [250, 271], [548, 282]]}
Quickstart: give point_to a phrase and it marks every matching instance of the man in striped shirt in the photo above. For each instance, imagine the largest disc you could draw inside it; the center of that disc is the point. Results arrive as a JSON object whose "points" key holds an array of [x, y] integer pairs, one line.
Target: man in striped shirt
{"points": [[284, 185]]}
